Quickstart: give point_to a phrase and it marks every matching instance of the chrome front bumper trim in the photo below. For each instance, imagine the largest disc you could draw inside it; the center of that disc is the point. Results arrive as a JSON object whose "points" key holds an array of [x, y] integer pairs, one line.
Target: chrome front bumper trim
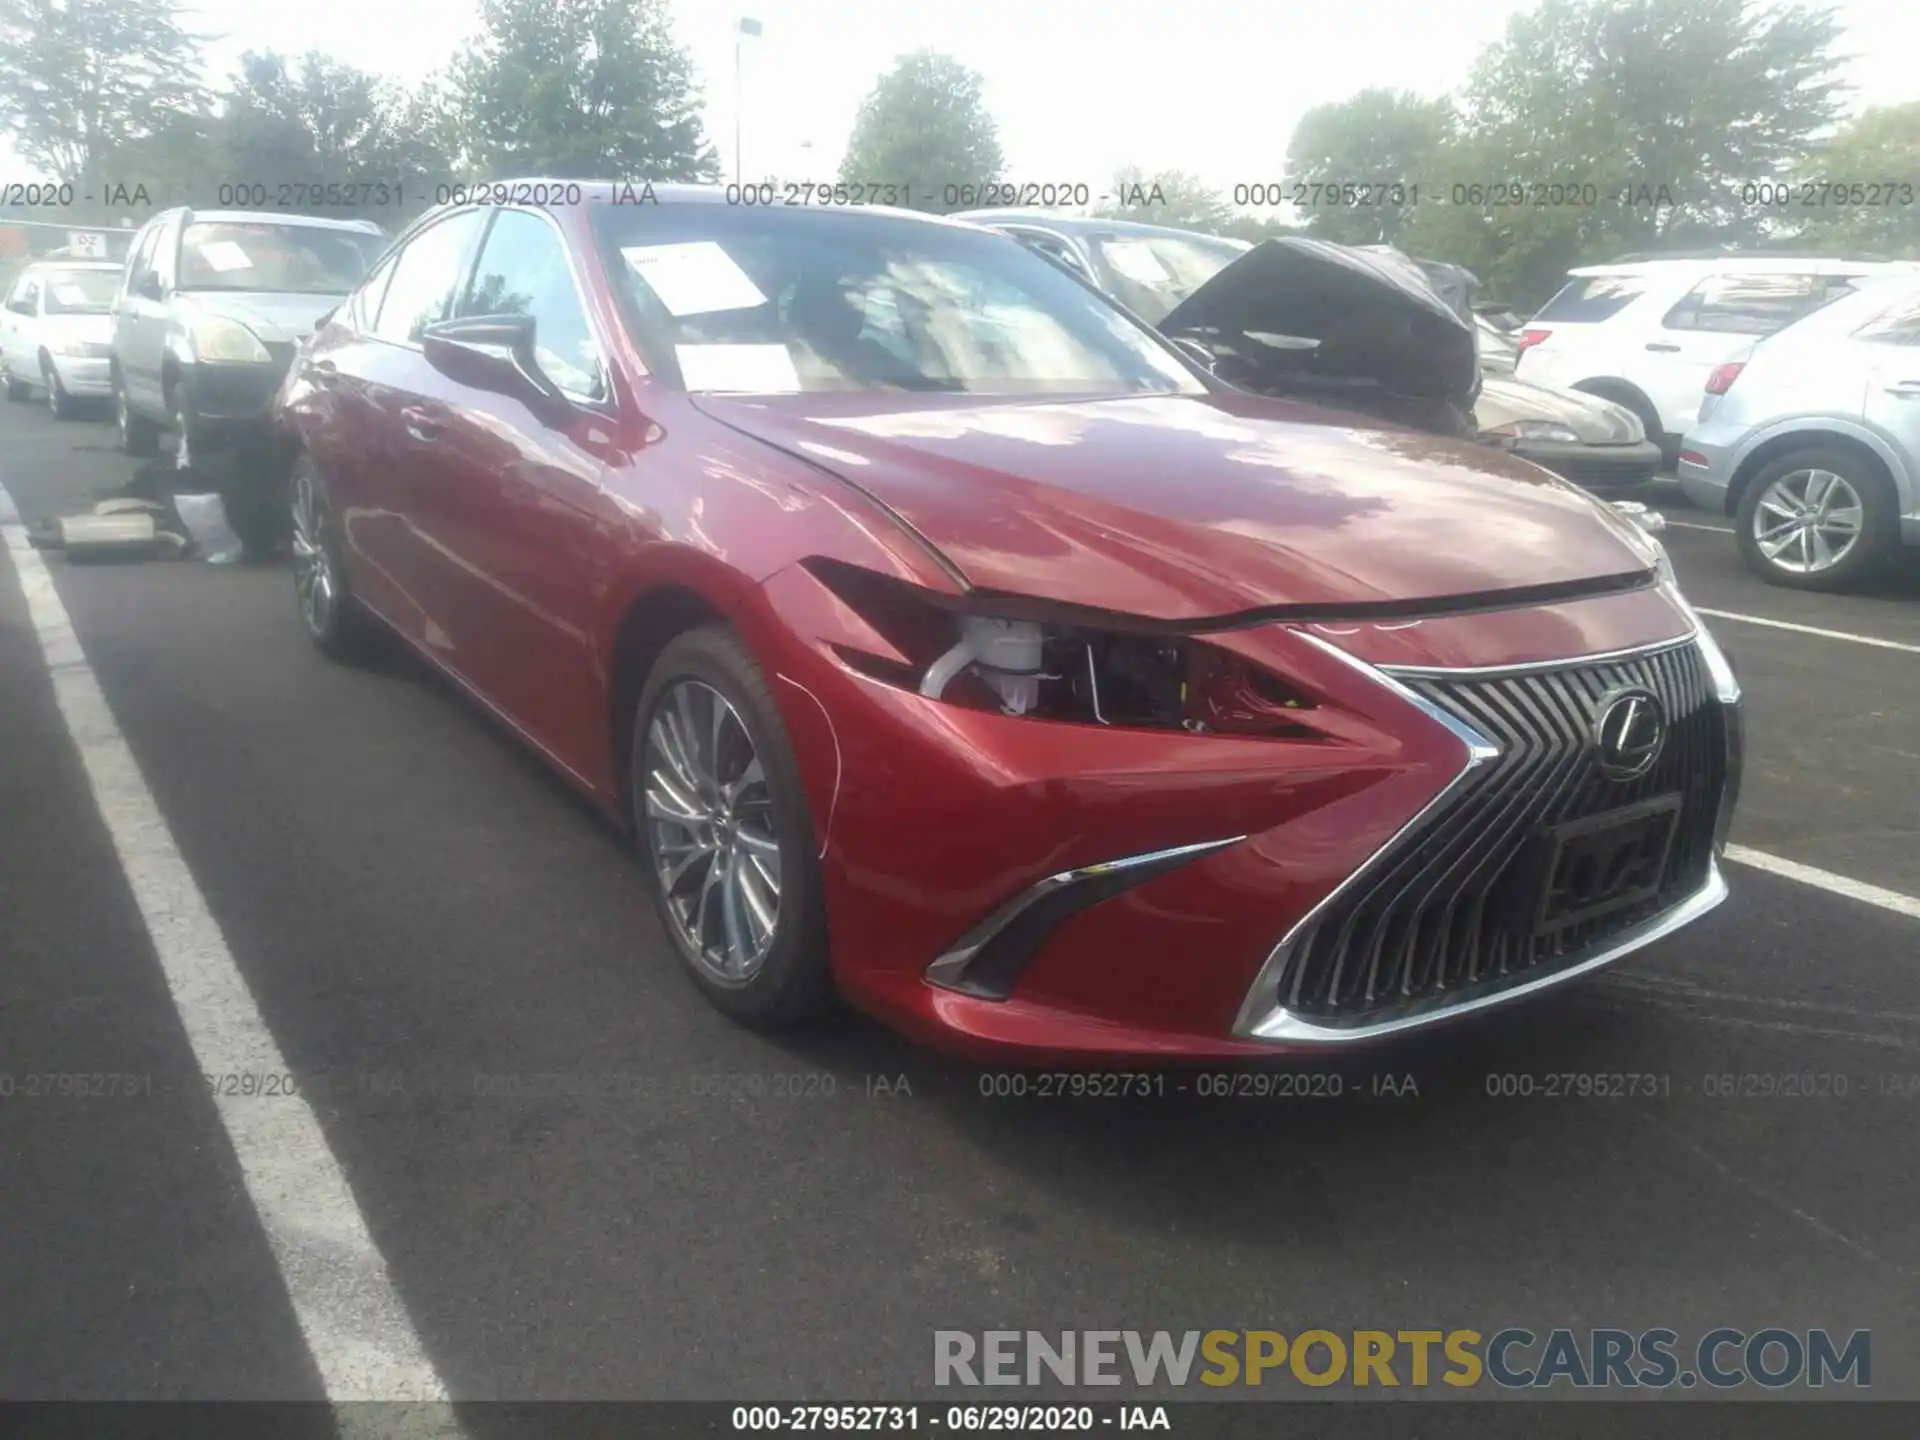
{"points": [[950, 969], [1280, 1026]]}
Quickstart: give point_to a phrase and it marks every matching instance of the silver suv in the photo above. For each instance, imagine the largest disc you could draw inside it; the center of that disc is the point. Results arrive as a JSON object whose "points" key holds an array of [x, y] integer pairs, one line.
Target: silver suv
{"points": [[211, 306], [1810, 439]]}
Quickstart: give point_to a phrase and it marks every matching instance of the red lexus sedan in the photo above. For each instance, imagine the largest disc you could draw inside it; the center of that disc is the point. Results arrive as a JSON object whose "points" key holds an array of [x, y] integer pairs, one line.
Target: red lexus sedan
{"points": [[955, 645]]}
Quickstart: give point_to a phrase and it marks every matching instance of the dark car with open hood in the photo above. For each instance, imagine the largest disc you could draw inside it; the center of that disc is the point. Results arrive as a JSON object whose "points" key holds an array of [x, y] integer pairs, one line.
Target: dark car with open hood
{"points": [[956, 646]]}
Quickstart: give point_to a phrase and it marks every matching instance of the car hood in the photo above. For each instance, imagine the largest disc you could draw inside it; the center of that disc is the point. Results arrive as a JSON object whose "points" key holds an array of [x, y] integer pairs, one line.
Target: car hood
{"points": [[1596, 421], [1375, 313], [1188, 507], [272, 315]]}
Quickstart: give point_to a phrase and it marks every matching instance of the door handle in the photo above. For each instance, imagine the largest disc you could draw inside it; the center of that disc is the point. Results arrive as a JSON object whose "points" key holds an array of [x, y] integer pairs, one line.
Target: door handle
{"points": [[1664, 349], [420, 425]]}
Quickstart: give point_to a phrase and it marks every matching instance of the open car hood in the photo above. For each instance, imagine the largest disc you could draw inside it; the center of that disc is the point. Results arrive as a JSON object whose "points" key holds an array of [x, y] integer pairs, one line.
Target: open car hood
{"points": [[1374, 312]]}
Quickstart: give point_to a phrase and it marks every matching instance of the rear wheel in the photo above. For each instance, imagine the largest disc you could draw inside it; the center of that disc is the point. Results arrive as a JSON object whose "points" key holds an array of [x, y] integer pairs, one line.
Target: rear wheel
{"points": [[727, 834], [1818, 520], [335, 621], [139, 436]]}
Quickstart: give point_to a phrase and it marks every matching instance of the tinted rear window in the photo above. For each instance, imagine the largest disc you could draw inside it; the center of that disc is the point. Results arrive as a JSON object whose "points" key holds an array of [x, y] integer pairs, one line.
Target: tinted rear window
{"points": [[1595, 297], [1754, 304]]}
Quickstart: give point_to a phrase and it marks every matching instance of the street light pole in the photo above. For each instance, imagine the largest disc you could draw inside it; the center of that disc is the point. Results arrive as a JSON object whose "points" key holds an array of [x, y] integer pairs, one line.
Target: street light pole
{"points": [[746, 26]]}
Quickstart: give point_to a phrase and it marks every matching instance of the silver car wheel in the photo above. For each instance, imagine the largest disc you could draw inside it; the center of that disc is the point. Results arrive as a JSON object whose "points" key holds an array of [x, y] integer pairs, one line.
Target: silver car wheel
{"points": [[1808, 521], [182, 456], [711, 831], [313, 578]]}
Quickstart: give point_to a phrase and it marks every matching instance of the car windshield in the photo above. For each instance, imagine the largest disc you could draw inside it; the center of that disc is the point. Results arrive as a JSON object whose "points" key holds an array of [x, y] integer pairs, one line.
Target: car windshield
{"points": [[289, 259], [81, 292], [816, 300], [1151, 274]]}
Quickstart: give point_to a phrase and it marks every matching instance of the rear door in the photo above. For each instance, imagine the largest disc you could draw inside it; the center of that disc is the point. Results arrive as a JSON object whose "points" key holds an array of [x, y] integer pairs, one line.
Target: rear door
{"points": [[404, 403], [1892, 402], [1586, 331], [513, 503], [1716, 320], [17, 327]]}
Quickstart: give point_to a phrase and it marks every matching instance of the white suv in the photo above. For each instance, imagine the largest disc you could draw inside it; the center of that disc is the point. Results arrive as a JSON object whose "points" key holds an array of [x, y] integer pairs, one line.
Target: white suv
{"points": [[1648, 333]]}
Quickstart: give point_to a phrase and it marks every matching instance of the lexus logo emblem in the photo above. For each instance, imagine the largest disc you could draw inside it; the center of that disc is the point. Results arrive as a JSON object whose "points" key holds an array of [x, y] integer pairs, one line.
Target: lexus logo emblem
{"points": [[1630, 733]]}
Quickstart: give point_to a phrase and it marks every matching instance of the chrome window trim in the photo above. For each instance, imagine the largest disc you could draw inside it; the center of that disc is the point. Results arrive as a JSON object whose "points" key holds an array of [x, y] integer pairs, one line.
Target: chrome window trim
{"points": [[1266, 1020], [948, 969]]}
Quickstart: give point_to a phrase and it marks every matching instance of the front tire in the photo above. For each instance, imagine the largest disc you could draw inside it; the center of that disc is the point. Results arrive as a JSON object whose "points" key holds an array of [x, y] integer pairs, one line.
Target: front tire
{"points": [[60, 404], [338, 625], [139, 436], [1818, 519], [726, 833]]}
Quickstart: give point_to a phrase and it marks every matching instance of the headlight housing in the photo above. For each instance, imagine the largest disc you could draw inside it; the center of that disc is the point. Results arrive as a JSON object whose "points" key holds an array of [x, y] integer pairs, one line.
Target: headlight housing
{"points": [[227, 342], [1062, 670], [1726, 685], [1534, 430]]}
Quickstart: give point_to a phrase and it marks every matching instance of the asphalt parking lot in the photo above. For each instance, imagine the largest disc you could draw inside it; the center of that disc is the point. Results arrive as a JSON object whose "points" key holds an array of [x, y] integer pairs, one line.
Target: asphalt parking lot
{"points": [[583, 1182]]}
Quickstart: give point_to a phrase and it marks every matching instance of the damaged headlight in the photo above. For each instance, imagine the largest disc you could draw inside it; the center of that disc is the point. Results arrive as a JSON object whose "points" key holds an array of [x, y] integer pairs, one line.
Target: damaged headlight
{"points": [[1533, 430], [1059, 670]]}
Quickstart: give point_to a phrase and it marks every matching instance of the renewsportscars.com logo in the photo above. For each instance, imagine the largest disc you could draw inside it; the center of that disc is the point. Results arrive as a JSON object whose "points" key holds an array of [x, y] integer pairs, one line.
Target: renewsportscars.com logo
{"points": [[1511, 1358]]}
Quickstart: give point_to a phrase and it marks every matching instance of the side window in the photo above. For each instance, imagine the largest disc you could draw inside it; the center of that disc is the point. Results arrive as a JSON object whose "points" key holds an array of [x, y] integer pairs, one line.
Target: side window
{"points": [[425, 276], [166, 246], [1898, 326], [1753, 304], [523, 270], [137, 259], [1592, 299], [366, 300], [26, 297]]}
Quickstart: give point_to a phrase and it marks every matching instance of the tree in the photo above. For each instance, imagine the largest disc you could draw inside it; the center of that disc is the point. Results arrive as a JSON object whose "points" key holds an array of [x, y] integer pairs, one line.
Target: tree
{"points": [[322, 121], [925, 124], [581, 89], [1870, 171], [1166, 197], [1377, 154], [1666, 107], [79, 78]]}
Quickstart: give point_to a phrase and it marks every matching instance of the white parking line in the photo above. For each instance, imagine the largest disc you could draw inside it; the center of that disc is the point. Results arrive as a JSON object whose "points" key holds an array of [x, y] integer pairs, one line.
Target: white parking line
{"points": [[358, 1331], [1873, 640], [1673, 524], [1826, 880]]}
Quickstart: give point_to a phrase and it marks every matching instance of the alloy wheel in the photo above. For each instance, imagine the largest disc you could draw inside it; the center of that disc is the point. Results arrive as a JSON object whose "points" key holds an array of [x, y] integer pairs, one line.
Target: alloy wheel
{"points": [[313, 578], [1808, 521], [714, 839], [182, 456], [121, 416]]}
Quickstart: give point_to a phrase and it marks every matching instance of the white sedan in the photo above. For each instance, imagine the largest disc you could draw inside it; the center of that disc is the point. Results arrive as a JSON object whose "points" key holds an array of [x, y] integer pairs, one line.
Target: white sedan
{"points": [[56, 332]]}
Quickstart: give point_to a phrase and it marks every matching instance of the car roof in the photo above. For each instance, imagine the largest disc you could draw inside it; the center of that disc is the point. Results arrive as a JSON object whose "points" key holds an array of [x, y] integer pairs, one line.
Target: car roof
{"points": [[1090, 225], [1739, 264], [281, 217]]}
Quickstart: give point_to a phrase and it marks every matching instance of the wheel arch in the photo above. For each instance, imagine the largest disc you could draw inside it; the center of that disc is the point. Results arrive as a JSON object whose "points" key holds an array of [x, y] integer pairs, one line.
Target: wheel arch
{"points": [[650, 622], [1772, 448]]}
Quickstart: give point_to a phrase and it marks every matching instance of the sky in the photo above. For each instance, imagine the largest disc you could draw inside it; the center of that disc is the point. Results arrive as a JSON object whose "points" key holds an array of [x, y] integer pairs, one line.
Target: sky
{"points": [[1078, 88]]}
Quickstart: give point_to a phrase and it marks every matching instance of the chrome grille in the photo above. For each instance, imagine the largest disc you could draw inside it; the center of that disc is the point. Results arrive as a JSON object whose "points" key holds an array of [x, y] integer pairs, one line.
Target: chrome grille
{"points": [[1446, 912]]}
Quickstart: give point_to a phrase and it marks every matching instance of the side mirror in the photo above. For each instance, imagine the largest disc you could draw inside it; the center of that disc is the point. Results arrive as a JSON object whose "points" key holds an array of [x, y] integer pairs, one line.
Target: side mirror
{"points": [[148, 286], [494, 353]]}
